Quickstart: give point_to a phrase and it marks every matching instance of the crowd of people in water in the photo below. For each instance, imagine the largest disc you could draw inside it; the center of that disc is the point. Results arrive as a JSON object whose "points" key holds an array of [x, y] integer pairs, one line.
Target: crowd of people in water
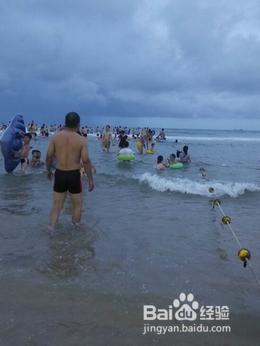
{"points": [[67, 157], [145, 141]]}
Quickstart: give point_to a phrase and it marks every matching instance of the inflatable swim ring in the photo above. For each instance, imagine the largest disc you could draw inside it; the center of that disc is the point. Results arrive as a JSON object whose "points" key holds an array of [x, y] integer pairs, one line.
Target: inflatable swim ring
{"points": [[176, 165], [149, 151], [125, 157], [11, 143]]}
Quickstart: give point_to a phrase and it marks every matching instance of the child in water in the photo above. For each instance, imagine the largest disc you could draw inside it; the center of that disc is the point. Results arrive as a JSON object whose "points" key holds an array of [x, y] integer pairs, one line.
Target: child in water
{"points": [[25, 151], [126, 150], [171, 160], [36, 159], [160, 164]]}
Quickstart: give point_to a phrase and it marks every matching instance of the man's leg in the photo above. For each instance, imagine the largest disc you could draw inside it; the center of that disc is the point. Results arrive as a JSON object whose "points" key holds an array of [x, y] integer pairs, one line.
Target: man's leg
{"points": [[58, 203], [76, 199]]}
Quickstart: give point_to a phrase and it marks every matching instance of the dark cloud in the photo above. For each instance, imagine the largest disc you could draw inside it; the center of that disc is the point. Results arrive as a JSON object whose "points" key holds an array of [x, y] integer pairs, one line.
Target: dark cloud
{"points": [[130, 58]]}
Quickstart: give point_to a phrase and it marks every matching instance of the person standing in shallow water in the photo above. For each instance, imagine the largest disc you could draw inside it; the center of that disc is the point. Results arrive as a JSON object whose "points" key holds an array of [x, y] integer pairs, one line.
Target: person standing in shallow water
{"points": [[69, 150], [106, 139]]}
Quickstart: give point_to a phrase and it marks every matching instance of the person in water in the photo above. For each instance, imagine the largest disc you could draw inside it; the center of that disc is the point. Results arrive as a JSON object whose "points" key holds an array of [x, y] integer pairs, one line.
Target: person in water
{"points": [[140, 145], [160, 164], [69, 150], [122, 140], [172, 159], [184, 157], [24, 155], [161, 135], [126, 150], [153, 147], [106, 139], [36, 159]]}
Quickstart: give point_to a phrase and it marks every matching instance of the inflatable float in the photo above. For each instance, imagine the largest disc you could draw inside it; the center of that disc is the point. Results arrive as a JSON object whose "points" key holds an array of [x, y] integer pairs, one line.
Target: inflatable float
{"points": [[11, 143], [177, 165], [125, 155], [150, 152], [121, 157]]}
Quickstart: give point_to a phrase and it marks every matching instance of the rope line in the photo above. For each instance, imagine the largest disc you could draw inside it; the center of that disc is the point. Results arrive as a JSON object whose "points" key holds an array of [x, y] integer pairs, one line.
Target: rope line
{"points": [[244, 258]]}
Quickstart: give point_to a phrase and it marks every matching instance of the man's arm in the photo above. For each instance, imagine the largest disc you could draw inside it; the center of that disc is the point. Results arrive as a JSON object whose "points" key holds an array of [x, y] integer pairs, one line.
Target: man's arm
{"points": [[87, 165], [50, 156]]}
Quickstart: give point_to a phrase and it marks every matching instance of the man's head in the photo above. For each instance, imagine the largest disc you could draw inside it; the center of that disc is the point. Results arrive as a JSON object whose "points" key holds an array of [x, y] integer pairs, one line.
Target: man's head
{"points": [[72, 120]]}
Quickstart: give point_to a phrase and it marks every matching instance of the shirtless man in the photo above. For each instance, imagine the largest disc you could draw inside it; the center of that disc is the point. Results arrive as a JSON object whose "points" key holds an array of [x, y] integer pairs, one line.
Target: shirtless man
{"points": [[106, 139], [69, 150]]}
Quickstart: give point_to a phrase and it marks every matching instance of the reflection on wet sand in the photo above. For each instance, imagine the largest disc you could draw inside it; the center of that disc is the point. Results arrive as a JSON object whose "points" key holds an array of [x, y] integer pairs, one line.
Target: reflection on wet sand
{"points": [[71, 251]]}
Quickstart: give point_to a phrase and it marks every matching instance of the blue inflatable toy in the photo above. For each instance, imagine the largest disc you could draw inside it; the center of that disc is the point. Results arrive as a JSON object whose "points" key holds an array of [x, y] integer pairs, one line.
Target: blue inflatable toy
{"points": [[11, 143]]}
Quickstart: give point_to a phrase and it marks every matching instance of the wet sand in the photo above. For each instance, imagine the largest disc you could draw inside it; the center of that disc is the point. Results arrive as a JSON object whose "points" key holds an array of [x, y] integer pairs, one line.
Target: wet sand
{"points": [[55, 315]]}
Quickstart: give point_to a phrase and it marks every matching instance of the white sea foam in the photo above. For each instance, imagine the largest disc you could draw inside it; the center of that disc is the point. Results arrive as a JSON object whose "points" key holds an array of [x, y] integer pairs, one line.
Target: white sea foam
{"points": [[194, 138], [217, 139], [196, 188]]}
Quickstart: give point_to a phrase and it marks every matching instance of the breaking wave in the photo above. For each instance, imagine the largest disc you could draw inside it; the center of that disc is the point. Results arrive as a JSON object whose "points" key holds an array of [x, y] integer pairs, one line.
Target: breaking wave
{"points": [[192, 187]]}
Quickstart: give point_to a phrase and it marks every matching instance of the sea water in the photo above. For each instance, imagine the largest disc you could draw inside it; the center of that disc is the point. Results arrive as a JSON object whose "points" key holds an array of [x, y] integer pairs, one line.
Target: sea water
{"points": [[145, 235]]}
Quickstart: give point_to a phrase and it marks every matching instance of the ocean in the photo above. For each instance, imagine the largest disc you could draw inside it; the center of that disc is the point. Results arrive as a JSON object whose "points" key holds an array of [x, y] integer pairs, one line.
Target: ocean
{"points": [[146, 237]]}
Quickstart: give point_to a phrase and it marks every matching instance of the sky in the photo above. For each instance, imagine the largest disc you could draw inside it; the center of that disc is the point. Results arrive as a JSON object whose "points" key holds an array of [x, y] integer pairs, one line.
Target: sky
{"points": [[170, 63]]}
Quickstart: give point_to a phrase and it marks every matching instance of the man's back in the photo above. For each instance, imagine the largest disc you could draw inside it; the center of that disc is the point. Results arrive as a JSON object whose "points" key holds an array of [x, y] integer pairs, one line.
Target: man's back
{"points": [[68, 146]]}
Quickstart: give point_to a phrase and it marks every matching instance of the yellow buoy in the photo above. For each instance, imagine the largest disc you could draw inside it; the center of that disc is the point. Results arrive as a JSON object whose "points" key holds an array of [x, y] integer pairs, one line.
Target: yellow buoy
{"points": [[244, 254], [226, 219]]}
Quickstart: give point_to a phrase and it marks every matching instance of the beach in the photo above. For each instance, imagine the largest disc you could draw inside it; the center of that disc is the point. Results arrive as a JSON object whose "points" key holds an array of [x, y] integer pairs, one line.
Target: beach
{"points": [[146, 236]]}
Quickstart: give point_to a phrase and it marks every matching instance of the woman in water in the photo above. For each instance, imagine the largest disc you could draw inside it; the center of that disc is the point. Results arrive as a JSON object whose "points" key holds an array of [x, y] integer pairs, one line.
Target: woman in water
{"points": [[160, 164], [184, 156]]}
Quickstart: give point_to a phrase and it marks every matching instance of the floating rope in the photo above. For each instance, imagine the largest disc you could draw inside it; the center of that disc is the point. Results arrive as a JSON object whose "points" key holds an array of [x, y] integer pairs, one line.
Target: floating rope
{"points": [[243, 253]]}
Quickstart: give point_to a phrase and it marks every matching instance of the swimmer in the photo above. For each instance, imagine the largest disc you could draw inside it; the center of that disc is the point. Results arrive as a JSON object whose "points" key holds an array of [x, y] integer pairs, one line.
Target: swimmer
{"points": [[25, 151], [203, 172], [160, 164], [69, 150], [36, 159], [106, 139], [184, 156], [161, 135], [126, 150], [140, 145], [178, 155], [172, 159], [122, 140]]}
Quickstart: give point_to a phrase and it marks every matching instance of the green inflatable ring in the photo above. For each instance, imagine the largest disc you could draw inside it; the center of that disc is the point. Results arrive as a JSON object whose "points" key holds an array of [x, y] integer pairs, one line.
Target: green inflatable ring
{"points": [[122, 157], [177, 165]]}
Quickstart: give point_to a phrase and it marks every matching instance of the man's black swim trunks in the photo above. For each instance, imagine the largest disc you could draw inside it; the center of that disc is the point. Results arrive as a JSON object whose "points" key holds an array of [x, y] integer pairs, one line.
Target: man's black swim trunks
{"points": [[67, 181]]}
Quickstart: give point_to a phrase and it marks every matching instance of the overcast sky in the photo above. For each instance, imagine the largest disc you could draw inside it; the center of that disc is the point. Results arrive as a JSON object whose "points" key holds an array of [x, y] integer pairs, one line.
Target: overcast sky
{"points": [[180, 63]]}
